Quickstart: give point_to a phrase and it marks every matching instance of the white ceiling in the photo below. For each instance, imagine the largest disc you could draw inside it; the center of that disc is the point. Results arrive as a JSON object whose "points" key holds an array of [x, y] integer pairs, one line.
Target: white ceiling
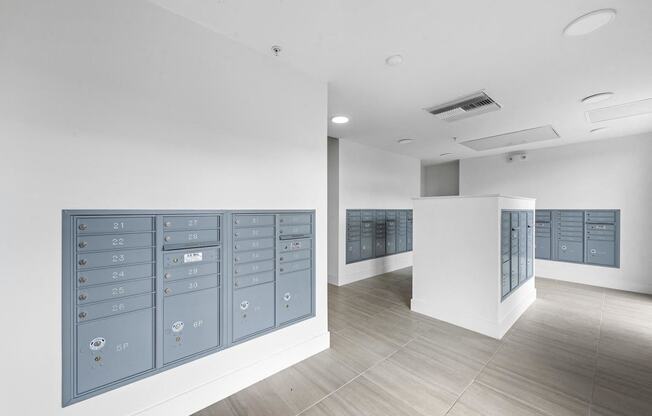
{"points": [[514, 50]]}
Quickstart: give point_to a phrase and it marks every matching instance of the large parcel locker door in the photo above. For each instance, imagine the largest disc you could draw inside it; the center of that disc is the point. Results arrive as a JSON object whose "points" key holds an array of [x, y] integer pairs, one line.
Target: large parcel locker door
{"points": [[390, 232], [505, 252], [514, 250], [602, 238], [115, 348], [401, 232], [379, 247], [367, 235], [353, 235], [569, 230], [409, 230], [522, 246], [543, 235], [530, 244]]}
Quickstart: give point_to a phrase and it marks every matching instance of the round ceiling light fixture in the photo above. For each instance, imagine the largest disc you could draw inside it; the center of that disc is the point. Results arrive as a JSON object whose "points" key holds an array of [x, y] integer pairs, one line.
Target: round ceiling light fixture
{"points": [[596, 98], [599, 129], [394, 60], [405, 141], [445, 154], [340, 119], [590, 22]]}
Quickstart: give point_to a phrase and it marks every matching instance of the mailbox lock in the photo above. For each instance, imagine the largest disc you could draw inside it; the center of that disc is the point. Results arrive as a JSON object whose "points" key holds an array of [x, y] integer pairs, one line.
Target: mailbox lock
{"points": [[167, 223], [82, 315], [168, 238], [83, 226], [235, 284], [82, 296], [281, 258], [98, 358], [178, 339], [287, 296], [167, 291], [177, 326], [167, 275], [97, 344], [82, 279], [82, 262], [594, 251], [236, 234], [564, 247], [237, 221], [83, 244], [244, 304]]}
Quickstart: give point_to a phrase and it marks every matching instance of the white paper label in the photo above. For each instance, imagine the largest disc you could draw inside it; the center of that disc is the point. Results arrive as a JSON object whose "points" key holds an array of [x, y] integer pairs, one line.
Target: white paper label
{"points": [[193, 257]]}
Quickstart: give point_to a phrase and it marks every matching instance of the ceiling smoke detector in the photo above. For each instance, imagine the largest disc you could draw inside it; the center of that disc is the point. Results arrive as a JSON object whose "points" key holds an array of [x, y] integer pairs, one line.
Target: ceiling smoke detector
{"points": [[465, 107], [596, 98], [394, 60], [590, 22]]}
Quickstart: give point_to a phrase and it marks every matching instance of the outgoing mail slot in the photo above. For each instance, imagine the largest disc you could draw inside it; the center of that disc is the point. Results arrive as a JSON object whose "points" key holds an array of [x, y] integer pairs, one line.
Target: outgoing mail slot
{"points": [[293, 230], [253, 279], [248, 233], [114, 274], [257, 244], [191, 237], [294, 245], [178, 287], [256, 255], [294, 266], [117, 290], [112, 349], [114, 258], [294, 219], [256, 267], [175, 223], [294, 296], [114, 241], [252, 220], [113, 307], [104, 225], [253, 310], [294, 256], [192, 270], [191, 324], [195, 256]]}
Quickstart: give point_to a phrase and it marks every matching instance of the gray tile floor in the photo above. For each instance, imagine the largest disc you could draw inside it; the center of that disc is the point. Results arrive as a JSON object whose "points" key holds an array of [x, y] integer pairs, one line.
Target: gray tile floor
{"points": [[579, 350]]}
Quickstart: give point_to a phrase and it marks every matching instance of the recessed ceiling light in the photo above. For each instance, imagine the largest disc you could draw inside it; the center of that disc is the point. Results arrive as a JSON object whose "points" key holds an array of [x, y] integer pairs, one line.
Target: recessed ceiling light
{"points": [[599, 129], [589, 22], [405, 141], [445, 154], [394, 60], [596, 98], [340, 119]]}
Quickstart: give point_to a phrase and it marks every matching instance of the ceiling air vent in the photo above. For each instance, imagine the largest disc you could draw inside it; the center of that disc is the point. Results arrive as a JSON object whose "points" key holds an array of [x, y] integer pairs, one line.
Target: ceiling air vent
{"points": [[514, 138], [465, 107]]}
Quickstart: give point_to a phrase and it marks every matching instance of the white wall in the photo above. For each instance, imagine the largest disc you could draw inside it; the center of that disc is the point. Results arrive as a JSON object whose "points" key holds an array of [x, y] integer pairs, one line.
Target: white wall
{"points": [[370, 178], [120, 104], [609, 174], [441, 180], [333, 205], [457, 274]]}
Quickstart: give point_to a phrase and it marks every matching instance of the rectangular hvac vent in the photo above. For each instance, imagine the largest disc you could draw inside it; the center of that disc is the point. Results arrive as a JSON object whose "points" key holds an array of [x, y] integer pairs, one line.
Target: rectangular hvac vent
{"points": [[632, 109], [514, 138], [465, 107]]}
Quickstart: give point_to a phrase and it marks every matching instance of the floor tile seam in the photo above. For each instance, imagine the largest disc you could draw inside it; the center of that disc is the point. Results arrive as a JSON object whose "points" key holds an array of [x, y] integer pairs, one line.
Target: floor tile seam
{"points": [[500, 345], [597, 349], [531, 405], [482, 364], [347, 383], [541, 385]]}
